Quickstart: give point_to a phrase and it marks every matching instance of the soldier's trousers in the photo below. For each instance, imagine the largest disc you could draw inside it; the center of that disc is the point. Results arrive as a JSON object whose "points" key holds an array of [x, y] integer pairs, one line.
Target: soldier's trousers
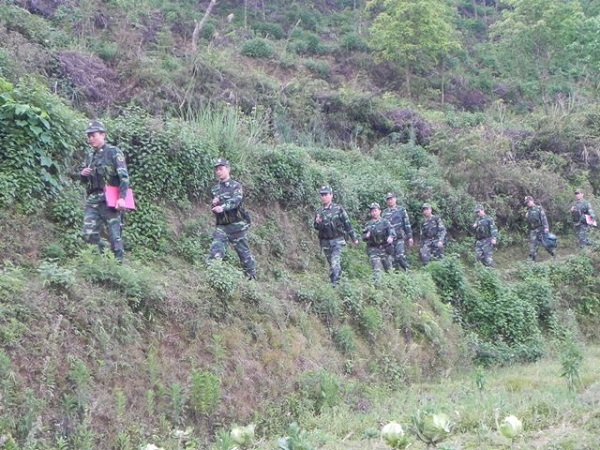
{"points": [[332, 249], [484, 250], [535, 240], [379, 260], [235, 234], [97, 215], [581, 230], [429, 250], [398, 256]]}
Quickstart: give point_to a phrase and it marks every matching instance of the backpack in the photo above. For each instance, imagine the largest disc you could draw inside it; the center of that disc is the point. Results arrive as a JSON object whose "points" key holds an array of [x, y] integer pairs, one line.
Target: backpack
{"points": [[549, 241]]}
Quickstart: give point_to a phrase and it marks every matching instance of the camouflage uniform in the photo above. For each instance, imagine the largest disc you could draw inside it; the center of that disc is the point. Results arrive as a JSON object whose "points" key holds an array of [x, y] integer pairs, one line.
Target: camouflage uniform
{"points": [[485, 233], [232, 225], [332, 229], [578, 212], [398, 217], [108, 169], [432, 231], [537, 222], [379, 232]]}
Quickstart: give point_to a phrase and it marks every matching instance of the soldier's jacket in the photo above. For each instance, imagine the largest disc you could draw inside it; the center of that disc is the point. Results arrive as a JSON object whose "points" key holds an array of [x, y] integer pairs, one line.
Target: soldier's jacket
{"points": [[398, 217], [108, 169], [380, 230], [579, 210], [433, 228], [485, 228], [334, 223], [536, 217], [231, 196]]}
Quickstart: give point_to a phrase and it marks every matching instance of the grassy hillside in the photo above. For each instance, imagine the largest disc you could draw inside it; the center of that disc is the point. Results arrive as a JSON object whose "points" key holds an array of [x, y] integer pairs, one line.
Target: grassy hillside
{"points": [[171, 351]]}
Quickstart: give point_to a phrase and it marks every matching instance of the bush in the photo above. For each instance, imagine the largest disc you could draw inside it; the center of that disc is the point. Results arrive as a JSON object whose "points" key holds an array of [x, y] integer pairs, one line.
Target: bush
{"points": [[353, 42], [320, 68], [268, 29], [258, 48]]}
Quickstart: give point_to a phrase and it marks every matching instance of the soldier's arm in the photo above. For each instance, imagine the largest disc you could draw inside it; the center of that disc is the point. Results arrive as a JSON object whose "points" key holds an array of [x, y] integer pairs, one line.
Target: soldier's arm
{"points": [[391, 231], [234, 200], [544, 219], [122, 172], [590, 211]]}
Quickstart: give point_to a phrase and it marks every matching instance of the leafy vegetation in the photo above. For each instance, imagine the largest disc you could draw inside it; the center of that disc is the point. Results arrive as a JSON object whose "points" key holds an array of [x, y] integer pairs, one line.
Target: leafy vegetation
{"points": [[447, 103]]}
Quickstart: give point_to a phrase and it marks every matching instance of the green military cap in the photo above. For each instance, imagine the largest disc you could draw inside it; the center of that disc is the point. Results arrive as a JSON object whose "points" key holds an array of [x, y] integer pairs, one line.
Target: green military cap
{"points": [[221, 162], [426, 206], [374, 206], [325, 190], [95, 126], [390, 195], [578, 191], [478, 208], [528, 198]]}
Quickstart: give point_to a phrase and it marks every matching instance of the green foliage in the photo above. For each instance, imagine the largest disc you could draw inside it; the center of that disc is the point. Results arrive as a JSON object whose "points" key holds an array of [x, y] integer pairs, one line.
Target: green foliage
{"points": [[351, 42], [296, 439], [287, 176], [306, 43], [319, 68], [269, 30], [321, 390], [37, 144], [59, 278], [344, 338], [205, 392], [571, 360], [223, 278], [322, 301], [258, 48]]}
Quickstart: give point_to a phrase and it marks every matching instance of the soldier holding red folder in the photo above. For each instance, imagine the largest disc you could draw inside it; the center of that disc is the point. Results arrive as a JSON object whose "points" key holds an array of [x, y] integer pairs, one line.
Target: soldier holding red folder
{"points": [[104, 166]]}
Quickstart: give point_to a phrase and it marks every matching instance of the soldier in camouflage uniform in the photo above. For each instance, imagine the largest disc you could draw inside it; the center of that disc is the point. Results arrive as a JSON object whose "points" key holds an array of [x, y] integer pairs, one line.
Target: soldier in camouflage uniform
{"points": [[332, 223], [486, 234], [538, 225], [398, 217], [379, 234], [104, 165], [232, 220], [433, 236], [579, 210]]}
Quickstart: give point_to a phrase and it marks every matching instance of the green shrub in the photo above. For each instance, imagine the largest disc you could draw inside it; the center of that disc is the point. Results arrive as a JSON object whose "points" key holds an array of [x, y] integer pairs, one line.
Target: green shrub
{"points": [[344, 338], [320, 68], [258, 48], [205, 392], [268, 29], [306, 43], [353, 42], [37, 144], [321, 389]]}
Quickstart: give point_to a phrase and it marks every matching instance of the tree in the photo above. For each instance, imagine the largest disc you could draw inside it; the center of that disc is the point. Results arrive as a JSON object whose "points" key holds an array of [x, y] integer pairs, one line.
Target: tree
{"points": [[413, 34], [200, 25], [534, 38]]}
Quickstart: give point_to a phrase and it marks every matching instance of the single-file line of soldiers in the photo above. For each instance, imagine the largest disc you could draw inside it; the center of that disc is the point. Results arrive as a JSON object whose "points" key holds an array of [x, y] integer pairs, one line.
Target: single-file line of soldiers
{"points": [[387, 234]]}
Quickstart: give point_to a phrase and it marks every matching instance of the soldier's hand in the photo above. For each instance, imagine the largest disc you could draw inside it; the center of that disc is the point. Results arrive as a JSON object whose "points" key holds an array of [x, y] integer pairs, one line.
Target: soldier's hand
{"points": [[494, 241], [216, 201], [368, 234], [86, 172], [355, 242], [120, 204], [410, 242], [390, 240], [440, 244], [546, 230], [217, 209], [318, 219]]}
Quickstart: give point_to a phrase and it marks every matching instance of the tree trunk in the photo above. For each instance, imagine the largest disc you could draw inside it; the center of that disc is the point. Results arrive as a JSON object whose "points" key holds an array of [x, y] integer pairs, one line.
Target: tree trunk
{"points": [[200, 25]]}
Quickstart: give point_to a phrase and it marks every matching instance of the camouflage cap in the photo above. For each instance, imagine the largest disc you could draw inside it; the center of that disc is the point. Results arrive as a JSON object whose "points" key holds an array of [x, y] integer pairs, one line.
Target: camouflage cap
{"points": [[528, 198], [325, 190], [390, 195], [578, 191], [426, 206], [374, 206], [95, 126], [221, 162], [478, 208]]}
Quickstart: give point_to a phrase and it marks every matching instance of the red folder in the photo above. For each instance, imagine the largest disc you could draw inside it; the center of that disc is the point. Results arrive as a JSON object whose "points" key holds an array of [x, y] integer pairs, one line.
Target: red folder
{"points": [[112, 195], [589, 220]]}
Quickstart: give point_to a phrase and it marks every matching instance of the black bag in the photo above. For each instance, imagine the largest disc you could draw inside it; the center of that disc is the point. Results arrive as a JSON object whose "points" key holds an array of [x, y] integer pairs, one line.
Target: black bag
{"points": [[549, 241]]}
